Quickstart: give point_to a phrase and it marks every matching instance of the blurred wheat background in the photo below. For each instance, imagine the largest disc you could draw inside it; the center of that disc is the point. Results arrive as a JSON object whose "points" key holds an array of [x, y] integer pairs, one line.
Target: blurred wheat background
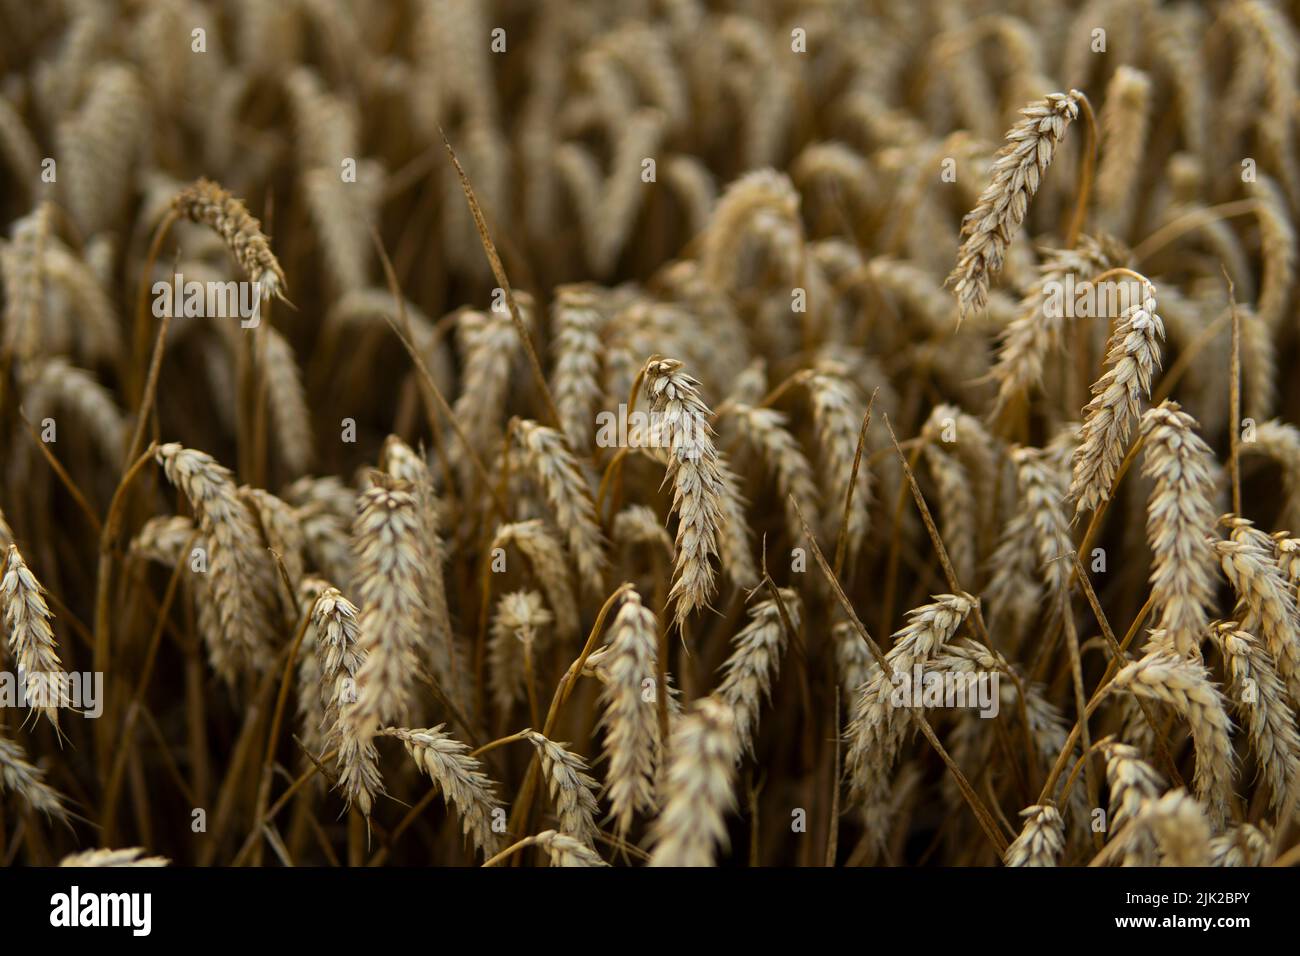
{"points": [[372, 580]]}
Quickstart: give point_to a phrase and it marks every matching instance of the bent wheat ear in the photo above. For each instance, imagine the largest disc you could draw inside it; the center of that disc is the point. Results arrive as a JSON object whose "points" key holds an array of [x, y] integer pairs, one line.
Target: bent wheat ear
{"points": [[1262, 704], [703, 749], [1266, 603], [565, 850], [207, 203], [457, 774], [236, 604], [987, 230], [879, 720]]}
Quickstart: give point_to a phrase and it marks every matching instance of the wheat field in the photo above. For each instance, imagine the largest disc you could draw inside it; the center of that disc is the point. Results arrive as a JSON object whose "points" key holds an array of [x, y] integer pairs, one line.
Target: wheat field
{"points": [[655, 433]]}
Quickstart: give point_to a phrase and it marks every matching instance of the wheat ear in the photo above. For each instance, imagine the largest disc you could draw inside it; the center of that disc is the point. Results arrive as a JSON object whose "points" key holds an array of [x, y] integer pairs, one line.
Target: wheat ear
{"points": [[387, 539], [19, 776], [877, 726], [31, 637], [1018, 168], [755, 660], [560, 475], [696, 476], [457, 774], [1185, 686], [1180, 520], [1132, 358], [518, 629], [439, 646], [132, 856], [1042, 839], [698, 787], [544, 554], [572, 789], [238, 615], [1262, 704], [629, 713], [1266, 603], [207, 203]]}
